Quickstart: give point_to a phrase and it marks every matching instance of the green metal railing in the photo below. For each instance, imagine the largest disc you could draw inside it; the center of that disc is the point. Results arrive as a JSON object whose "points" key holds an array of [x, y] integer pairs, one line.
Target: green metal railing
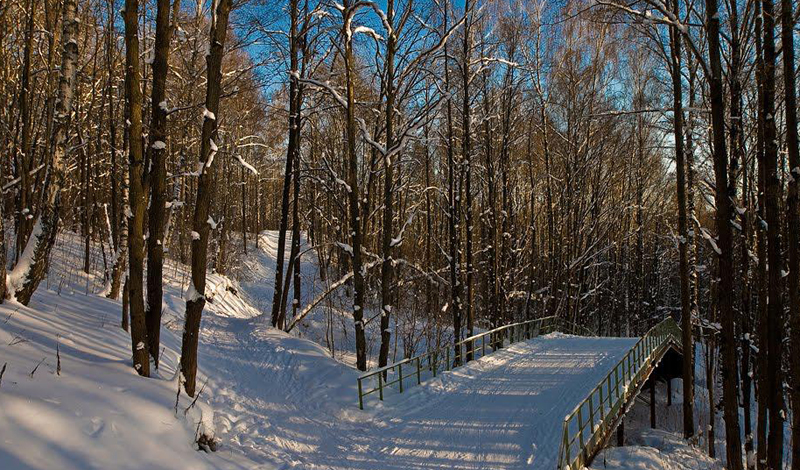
{"points": [[588, 426], [399, 376]]}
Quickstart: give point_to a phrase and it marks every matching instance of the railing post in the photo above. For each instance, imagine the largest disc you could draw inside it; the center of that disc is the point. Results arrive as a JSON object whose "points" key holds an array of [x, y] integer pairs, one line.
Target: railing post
{"points": [[419, 372], [435, 361], [380, 385], [447, 365], [566, 444], [602, 403], [400, 369], [591, 413], [483, 345], [360, 395]]}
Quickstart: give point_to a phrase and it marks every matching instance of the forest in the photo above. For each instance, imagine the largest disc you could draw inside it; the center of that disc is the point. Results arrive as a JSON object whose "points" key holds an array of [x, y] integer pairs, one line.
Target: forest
{"points": [[446, 167]]}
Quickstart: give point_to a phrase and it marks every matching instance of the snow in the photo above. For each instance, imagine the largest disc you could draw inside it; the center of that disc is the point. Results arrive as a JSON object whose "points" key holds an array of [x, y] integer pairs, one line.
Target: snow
{"points": [[369, 31], [209, 115], [654, 449], [347, 248], [247, 166], [159, 145], [510, 396], [17, 277], [97, 413], [192, 295], [273, 400]]}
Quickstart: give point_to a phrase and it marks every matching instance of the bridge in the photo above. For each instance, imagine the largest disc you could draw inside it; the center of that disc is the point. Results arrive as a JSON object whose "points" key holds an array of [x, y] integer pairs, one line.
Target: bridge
{"points": [[521, 396]]}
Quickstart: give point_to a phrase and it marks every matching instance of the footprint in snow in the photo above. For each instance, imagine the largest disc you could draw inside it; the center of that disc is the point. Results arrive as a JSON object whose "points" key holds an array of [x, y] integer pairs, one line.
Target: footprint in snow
{"points": [[95, 427]]}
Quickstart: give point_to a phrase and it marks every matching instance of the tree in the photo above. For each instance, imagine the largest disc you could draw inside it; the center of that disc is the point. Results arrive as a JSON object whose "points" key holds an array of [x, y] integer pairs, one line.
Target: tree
{"points": [[31, 267], [195, 297], [772, 198], [136, 200], [157, 174], [722, 199], [292, 155], [683, 232]]}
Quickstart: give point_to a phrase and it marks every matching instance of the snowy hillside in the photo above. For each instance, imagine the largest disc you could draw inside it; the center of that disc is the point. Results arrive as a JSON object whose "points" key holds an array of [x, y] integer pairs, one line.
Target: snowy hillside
{"points": [[69, 398], [330, 323]]}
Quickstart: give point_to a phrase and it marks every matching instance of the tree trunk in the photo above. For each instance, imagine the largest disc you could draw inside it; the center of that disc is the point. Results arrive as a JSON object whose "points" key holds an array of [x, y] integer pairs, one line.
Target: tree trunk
{"points": [[454, 196], [466, 151], [683, 232], [157, 176], [32, 265], [135, 212], [196, 300], [762, 384], [722, 198], [793, 216], [388, 189], [278, 319], [24, 157], [774, 250], [359, 286]]}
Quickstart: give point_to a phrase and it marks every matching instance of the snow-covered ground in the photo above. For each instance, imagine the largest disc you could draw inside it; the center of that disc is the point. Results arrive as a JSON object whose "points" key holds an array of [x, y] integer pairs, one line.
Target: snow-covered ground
{"points": [[662, 448], [272, 399], [654, 449]]}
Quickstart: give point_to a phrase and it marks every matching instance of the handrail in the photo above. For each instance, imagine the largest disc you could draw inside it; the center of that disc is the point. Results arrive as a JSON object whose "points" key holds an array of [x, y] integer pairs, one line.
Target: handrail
{"points": [[605, 404], [427, 365]]}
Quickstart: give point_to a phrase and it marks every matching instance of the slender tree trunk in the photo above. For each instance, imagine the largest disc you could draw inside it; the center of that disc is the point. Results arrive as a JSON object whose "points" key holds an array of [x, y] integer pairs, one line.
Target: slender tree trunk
{"points": [[388, 192], [466, 150], [746, 329], [296, 240], [31, 267], [25, 156], [291, 153], [454, 215], [683, 232], [135, 212], [125, 303], [118, 270], [3, 286], [711, 369], [196, 299], [774, 249], [722, 198], [359, 286], [157, 176], [793, 216], [762, 383]]}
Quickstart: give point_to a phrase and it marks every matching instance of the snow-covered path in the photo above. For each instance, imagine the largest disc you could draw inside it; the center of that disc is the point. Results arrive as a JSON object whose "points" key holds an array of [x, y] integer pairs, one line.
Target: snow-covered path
{"points": [[502, 412], [289, 404]]}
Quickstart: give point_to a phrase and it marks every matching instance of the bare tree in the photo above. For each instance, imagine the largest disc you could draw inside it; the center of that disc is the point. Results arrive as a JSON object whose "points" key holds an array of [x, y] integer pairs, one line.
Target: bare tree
{"points": [[195, 298]]}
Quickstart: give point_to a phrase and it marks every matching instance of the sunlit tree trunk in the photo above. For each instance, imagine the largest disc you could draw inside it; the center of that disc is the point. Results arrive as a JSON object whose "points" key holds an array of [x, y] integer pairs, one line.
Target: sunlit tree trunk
{"points": [[196, 299]]}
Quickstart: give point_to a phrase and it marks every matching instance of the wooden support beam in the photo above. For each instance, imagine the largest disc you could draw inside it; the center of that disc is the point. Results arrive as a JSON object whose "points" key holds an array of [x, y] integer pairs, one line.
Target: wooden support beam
{"points": [[652, 402], [669, 392]]}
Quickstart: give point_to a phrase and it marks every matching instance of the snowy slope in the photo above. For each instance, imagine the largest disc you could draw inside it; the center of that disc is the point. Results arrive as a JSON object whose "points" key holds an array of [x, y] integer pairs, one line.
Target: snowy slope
{"points": [[97, 413], [272, 399], [330, 323], [654, 449]]}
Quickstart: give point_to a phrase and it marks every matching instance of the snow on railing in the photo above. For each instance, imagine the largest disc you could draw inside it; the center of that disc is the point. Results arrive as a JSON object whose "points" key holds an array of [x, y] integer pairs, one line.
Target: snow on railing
{"points": [[395, 377], [587, 427]]}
